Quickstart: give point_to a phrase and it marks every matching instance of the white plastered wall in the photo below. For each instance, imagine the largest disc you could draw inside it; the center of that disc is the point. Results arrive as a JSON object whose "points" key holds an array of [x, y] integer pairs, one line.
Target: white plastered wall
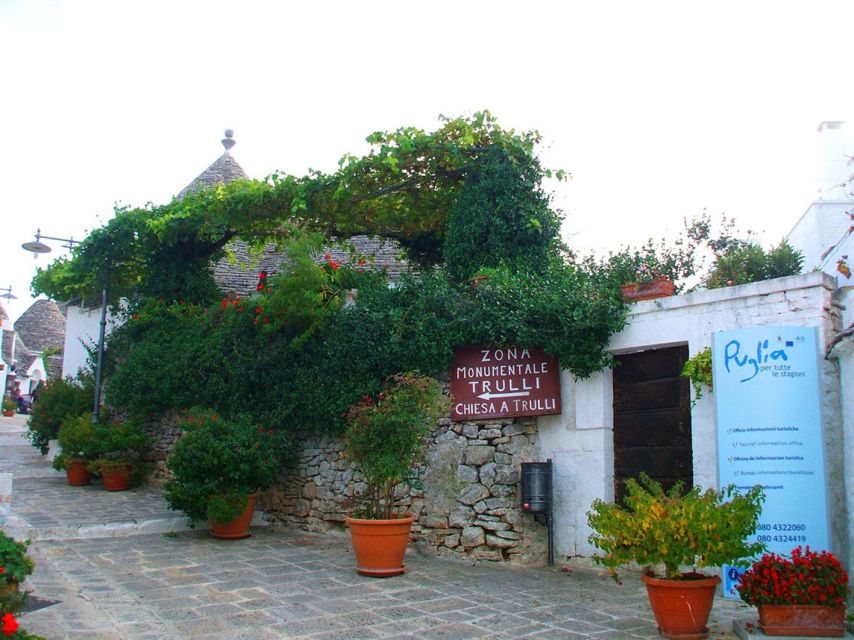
{"points": [[580, 440]]}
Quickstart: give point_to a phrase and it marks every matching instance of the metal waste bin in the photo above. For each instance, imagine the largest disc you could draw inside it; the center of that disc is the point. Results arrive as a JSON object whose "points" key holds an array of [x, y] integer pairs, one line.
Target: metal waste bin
{"points": [[536, 487]]}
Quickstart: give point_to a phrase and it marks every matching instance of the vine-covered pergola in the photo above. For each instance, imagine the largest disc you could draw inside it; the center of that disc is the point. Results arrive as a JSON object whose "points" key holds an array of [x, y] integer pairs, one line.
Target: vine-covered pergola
{"points": [[404, 189]]}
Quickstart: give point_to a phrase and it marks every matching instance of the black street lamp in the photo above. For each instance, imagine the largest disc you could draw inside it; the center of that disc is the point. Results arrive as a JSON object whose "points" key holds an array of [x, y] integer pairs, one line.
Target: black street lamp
{"points": [[38, 247], [7, 293]]}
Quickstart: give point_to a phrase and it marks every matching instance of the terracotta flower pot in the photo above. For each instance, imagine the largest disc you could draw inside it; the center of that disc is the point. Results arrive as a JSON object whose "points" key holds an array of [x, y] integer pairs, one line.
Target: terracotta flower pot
{"points": [[238, 528], [77, 473], [810, 620], [682, 607], [658, 288], [379, 545], [8, 413], [116, 476]]}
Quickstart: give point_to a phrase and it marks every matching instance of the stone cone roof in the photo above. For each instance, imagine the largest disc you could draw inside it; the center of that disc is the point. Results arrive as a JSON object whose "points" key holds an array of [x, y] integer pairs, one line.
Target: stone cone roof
{"points": [[222, 171], [42, 326]]}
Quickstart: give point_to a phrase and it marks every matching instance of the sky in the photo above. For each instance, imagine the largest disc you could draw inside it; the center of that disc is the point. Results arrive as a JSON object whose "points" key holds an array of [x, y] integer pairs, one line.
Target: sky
{"points": [[658, 110]]}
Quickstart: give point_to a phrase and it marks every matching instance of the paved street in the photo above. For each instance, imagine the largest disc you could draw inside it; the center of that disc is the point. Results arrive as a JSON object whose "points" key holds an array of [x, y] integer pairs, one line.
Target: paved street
{"points": [[104, 561]]}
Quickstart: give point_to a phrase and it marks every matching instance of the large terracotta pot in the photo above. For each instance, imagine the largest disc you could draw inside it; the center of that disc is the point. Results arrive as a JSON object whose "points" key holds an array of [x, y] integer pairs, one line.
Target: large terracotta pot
{"points": [[658, 288], [8, 413], [238, 528], [682, 607], [379, 545], [77, 473], [811, 620], [116, 476]]}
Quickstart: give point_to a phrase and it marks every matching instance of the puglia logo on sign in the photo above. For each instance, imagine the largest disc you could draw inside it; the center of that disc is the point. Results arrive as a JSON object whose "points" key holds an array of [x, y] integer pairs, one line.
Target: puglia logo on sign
{"points": [[764, 359]]}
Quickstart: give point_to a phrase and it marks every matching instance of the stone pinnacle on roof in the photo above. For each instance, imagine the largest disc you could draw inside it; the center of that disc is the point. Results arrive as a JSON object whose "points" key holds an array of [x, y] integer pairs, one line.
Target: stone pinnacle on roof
{"points": [[228, 141]]}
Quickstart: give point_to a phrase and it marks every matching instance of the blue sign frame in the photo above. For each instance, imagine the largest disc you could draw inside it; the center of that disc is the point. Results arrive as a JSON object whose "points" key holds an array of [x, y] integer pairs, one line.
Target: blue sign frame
{"points": [[769, 427]]}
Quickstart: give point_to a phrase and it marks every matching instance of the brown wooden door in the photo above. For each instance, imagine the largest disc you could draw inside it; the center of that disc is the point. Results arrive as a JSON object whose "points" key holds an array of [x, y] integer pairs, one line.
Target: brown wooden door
{"points": [[652, 418]]}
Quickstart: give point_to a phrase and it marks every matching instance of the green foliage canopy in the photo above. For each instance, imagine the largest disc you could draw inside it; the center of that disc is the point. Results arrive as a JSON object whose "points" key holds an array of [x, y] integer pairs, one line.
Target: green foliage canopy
{"points": [[403, 189]]}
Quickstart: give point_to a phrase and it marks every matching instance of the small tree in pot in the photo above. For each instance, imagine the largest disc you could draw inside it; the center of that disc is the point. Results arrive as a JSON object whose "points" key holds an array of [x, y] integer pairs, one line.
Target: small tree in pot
{"points": [[385, 438], [673, 530]]}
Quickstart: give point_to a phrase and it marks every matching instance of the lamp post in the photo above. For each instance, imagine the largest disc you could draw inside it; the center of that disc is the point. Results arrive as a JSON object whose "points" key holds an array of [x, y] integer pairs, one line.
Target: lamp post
{"points": [[7, 293], [38, 247]]}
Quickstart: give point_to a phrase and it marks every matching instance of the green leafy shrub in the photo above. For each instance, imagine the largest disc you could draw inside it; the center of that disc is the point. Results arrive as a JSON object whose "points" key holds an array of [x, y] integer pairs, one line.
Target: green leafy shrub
{"points": [[217, 462], [15, 566], [119, 442], [78, 441], [9, 404], [386, 436], [502, 217], [743, 262], [58, 400], [675, 529]]}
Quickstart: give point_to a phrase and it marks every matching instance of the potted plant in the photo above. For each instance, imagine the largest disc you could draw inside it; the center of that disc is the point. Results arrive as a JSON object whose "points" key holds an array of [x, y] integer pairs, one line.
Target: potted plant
{"points": [[79, 448], [673, 530], [120, 446], [219, 466], [384, 439], [803, 595], [59, 400], [9, 407], [15, 566]]}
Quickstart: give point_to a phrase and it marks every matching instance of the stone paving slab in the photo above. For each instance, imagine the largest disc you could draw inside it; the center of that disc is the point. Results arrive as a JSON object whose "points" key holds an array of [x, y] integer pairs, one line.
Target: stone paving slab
{"points": [[133, 585], [284, 584]]}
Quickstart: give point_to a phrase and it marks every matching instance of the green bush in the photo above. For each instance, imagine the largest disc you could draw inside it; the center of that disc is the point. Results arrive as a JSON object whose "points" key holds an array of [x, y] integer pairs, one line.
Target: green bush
{"points": [[676, 529], [217, 462], [17, 565], [748, 262], [78, 441], [58, 400]]}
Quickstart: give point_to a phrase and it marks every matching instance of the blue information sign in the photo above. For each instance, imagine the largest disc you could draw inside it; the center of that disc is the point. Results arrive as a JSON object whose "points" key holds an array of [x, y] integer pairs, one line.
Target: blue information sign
{"points": [[766, 389]]}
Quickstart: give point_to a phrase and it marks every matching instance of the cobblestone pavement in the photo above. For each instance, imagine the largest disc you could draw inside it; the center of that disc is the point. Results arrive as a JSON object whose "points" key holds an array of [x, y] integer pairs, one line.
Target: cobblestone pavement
{"points": [[112, 581]]}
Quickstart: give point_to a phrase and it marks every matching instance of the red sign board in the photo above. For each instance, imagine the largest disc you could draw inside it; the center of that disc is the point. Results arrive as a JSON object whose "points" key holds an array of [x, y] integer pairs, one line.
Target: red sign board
{"points": [[501, 383]]}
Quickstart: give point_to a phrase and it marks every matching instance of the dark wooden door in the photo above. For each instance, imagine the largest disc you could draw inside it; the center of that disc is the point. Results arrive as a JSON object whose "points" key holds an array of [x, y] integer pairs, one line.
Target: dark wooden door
{"points": [[652, 418]]}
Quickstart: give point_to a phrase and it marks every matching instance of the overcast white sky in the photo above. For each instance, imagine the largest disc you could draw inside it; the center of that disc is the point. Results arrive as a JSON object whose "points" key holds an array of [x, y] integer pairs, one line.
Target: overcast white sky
{"points": [[658, 109]]}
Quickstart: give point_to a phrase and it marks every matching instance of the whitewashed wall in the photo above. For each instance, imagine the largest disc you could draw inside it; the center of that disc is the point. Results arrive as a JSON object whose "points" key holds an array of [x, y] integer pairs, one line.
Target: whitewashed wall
{"points": [[82, 325], [580, 441]]}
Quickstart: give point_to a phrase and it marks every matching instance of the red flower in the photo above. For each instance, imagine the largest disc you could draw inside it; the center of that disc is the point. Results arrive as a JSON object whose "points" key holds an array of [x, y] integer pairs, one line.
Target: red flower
{"points": [[328, 257], [225, 303], [333, 265], [260, 287], [10, 625], [2, 570]]}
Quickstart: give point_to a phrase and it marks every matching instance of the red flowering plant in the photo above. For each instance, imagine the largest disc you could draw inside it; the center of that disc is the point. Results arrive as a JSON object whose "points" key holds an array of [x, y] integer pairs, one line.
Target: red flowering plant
{"points": [[15, 566], [217, 462], [10, 628], [808, 577], [298, 301]]}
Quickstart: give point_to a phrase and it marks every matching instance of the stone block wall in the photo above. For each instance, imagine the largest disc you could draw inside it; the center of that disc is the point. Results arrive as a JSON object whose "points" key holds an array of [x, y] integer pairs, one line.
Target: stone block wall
{"points": [[464, 496]]}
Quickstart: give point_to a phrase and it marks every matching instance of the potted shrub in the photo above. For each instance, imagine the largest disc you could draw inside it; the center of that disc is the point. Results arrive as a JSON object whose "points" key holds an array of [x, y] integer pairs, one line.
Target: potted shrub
{"points": [[79, 448], [58, 400], [9, 407], [803, 595], [384, 439], [219, 466], [673, 530], [15, 566], [120, 445]]}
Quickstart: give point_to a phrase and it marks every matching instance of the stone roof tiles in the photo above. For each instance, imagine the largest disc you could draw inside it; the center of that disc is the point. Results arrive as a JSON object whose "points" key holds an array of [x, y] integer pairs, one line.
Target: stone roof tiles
{"points": [[42, 326], [223, 170]]}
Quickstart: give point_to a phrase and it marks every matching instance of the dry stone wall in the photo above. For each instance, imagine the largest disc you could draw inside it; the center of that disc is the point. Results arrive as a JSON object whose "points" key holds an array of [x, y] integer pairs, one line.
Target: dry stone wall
{"points": [[464, 496]]}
